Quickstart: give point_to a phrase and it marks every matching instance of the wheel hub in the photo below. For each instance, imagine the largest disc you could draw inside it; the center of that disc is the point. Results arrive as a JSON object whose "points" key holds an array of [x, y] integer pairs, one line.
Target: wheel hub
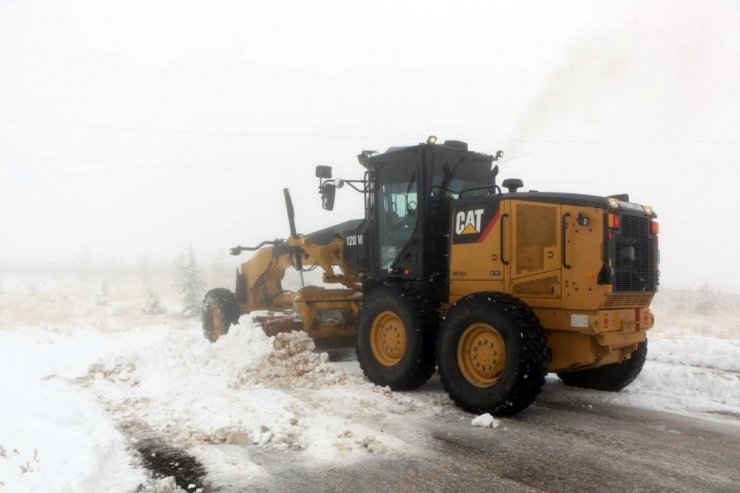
{"points": [[481, 355], [388, 338]]}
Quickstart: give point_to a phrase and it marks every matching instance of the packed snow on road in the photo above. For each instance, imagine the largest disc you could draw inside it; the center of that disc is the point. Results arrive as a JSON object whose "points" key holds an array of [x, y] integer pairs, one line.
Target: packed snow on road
{"points": [[99, 396]]}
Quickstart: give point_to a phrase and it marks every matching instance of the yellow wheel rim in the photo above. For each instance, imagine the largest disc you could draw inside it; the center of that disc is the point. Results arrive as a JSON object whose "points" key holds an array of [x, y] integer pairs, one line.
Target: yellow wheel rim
{"points": [[481, 355], [388, 339], [214, 321]]}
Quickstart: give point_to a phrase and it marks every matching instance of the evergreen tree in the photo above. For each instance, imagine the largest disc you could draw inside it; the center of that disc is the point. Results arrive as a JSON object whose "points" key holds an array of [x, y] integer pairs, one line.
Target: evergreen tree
{"points": [[708, 300], [152, 305], [191, 285]]}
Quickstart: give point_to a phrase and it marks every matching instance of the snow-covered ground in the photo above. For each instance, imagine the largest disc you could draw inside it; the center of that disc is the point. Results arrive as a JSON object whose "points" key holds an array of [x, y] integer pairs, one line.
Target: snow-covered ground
{"points": [[87, 380]]}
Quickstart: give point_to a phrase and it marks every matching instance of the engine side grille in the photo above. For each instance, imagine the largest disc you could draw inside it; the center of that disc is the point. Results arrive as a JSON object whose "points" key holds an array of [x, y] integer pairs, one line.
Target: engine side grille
{"points": [[616, 301], [535, 231], [634, 255]]}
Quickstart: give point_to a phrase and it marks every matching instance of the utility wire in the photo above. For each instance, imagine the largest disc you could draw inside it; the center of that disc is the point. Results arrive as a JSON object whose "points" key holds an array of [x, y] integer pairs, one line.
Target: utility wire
{"points": [[360, 137], [162, 165], [130, 164]]}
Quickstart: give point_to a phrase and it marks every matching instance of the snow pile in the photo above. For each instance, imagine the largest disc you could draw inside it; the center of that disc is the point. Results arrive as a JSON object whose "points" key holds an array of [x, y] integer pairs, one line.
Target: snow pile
{"points": [[166, 485], [698, 351], [695, 373], [250, 389], [485, 421], [54, 438], [292, 363], [90, 385]]}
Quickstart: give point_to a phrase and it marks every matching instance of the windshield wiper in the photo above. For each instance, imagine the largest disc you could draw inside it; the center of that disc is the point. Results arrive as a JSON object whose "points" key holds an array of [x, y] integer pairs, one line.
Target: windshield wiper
{"points": [[449, 175]]}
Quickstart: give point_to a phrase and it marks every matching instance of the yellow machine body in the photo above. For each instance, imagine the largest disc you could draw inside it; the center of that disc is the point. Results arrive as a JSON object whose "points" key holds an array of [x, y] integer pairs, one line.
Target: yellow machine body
{"points": [[448, 273], [327, 315], [549, 256]]}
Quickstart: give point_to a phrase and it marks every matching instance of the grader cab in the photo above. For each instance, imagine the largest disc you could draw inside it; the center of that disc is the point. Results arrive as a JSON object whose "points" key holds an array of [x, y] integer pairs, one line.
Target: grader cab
{"points": [[447, 271]]}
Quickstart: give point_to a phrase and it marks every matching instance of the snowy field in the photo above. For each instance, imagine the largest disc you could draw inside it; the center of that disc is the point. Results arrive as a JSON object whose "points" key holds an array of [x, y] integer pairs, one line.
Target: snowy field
{"points": [[91, 385]]}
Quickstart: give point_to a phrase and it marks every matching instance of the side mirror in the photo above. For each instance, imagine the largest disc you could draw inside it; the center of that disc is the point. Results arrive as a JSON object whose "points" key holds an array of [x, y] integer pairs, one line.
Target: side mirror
{"points": [[328, 192], [323, 172]]}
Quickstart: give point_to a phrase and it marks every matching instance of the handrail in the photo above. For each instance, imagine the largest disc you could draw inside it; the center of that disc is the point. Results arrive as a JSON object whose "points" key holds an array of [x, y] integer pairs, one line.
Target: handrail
{"points": [[503, 244], [239, 249], [564, 228]]}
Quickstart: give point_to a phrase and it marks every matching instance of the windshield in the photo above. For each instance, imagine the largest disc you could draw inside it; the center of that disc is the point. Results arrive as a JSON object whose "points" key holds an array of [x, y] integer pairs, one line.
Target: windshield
{"points": [[451, 180], [397, 210]]}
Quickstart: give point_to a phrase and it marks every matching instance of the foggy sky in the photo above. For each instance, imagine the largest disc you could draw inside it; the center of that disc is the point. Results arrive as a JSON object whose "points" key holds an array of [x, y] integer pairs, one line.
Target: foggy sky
{"points": [[137, 128]]}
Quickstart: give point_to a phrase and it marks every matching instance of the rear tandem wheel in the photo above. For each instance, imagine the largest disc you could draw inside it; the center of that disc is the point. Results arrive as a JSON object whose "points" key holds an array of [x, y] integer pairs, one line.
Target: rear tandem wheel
{"points": [[492, 354], [609, 378]]}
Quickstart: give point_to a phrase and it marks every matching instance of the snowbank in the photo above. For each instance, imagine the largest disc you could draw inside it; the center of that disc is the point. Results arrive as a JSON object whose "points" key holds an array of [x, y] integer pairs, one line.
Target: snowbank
{"points": [[88, 384]]}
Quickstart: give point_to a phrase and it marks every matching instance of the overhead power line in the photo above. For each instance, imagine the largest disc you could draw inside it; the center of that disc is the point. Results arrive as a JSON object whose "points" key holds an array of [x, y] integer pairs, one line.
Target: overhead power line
{"points": [[119, 163], [114, 128]]}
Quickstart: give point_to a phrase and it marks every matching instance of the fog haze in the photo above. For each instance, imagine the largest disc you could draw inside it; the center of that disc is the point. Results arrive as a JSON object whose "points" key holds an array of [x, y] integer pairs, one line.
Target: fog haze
{"points": [[138, 128]]}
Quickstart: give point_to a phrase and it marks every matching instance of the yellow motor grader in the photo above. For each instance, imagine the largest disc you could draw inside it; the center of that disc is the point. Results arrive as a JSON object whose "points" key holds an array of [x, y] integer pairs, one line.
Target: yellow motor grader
{"points": [[446, 270]]}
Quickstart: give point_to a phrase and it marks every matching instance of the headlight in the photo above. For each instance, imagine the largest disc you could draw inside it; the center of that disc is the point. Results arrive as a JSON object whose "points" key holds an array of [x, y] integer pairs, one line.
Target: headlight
{"points": [[613, 203], [648, 210]]}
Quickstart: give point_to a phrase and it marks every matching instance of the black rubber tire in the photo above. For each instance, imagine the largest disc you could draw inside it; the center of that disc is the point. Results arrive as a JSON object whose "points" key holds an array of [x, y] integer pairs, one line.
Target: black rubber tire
{"points": [[527, 356], [421, 322], [609, 378], [224, 301]]}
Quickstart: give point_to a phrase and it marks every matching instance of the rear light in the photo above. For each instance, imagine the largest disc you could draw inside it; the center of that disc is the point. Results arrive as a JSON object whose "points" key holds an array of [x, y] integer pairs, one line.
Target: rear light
{"points": [[614, 221], [654, 227]]}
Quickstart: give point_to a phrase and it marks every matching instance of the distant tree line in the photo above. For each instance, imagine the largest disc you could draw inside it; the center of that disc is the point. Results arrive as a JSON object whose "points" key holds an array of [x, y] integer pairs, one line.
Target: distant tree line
{"points": [[705, 300]]}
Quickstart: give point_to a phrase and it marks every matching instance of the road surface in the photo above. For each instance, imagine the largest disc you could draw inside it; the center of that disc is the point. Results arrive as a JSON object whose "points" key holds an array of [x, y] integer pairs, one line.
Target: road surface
{"points": [[557, 445]]}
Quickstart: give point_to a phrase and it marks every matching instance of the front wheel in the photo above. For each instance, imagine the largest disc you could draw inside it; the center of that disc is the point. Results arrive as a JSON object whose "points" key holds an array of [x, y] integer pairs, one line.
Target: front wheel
{"points": [[492, 354], [394, 338], [610, 378], [220, 311]]}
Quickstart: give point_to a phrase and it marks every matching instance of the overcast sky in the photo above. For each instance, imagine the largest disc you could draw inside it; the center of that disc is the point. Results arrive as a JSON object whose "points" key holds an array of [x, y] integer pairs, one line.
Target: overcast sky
{"points": [[136, 128]]}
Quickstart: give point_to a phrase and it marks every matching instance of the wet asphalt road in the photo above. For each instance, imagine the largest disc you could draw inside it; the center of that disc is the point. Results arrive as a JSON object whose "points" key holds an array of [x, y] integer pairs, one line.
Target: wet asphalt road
{"points": [[554, 446]]}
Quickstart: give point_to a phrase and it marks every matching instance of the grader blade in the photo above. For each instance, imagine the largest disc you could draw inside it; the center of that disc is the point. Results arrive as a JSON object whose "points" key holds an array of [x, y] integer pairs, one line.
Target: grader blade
{"points": [[329, 329], [274, 325]]}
